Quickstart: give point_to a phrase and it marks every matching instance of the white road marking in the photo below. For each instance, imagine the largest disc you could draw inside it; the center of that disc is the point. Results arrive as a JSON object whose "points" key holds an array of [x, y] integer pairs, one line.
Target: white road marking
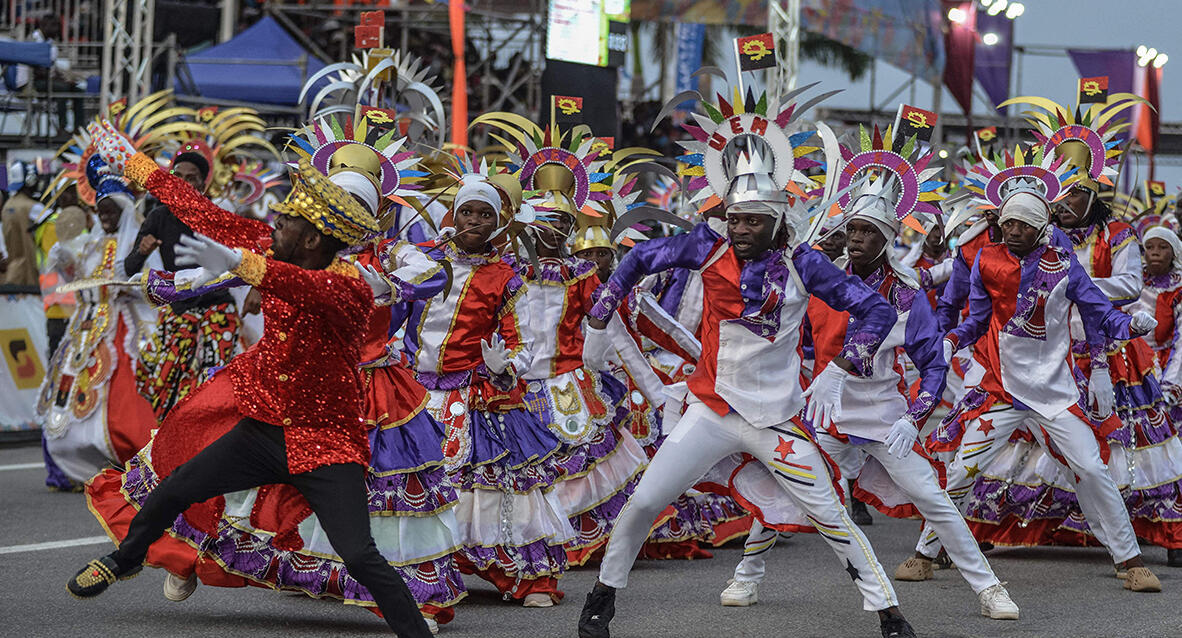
{"points": [[22, 466], [37, 547]]}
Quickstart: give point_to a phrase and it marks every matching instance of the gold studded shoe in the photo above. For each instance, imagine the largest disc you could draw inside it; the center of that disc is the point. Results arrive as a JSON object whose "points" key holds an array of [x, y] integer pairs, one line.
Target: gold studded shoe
{"points": [[97, 576]]}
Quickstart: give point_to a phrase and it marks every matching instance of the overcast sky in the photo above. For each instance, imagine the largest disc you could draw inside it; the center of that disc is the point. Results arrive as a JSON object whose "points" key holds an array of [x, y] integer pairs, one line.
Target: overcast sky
{"points": [[1060, 23]]}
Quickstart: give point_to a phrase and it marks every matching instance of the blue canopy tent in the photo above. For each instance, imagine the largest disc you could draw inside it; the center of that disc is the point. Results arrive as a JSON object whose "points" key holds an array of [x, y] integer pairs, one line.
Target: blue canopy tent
{"points": [[262, 65]]}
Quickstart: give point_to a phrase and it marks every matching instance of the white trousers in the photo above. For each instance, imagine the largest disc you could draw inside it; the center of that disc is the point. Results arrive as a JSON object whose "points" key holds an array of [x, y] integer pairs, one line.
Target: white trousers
{"points": [[917, 479], [1099, 499], [700, 439], [753, 566]]}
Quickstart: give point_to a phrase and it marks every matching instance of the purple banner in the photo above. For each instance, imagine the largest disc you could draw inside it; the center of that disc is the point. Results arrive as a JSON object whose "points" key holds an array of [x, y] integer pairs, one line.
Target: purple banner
{"points": [[1117, 64], [992, 68]]}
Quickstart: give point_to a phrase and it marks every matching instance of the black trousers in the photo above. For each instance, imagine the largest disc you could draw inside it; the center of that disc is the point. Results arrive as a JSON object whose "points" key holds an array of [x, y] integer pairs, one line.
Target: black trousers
{"points": [[253, 454]]}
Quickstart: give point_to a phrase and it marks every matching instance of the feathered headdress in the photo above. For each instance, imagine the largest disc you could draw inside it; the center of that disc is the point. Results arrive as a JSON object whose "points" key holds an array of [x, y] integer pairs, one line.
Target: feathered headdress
{"points": [[152, 124], [747, 145], [395, 89], [900, 184], [1084, 139]]}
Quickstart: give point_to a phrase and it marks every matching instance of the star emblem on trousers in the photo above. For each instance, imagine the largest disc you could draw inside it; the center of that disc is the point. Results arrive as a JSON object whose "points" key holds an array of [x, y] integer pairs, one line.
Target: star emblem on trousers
{"points": [[972, 471], [784, 448], [986, 426], [851, 570]]}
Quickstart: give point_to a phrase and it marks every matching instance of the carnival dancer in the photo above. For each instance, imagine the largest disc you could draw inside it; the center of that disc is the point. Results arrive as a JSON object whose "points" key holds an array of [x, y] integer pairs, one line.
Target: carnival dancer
{"points": [[289, 410], [411, 499], [1144, 454], [694, 517], [200, 334], [1162, 297], [93, 415], [468, 350], [1029, 382], [759, 281], [600, 461], [871, 444]]}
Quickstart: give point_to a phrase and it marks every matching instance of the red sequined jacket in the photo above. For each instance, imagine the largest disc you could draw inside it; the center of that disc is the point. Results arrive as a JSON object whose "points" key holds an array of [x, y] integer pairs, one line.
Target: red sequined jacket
{"points": [[303, 373]]}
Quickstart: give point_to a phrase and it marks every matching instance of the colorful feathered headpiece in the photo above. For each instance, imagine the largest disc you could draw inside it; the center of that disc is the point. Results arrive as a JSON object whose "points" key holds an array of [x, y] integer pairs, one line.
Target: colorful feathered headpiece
{"points": [[1086, 140], [900, 185], [152, 125], [995, 179], [747, 148], [396, 90], [334, 146]]}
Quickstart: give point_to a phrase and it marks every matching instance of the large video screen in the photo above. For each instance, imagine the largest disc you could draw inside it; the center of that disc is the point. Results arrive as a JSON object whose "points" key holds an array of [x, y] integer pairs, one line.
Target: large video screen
{"points": [[588, 31]]}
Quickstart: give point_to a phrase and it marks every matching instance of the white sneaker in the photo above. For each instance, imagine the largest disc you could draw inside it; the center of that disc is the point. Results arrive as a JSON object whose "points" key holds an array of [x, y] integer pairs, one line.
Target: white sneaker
{"points": [[740, 593], [432, 626], [538, 600], [177, 589], [996, 603]]}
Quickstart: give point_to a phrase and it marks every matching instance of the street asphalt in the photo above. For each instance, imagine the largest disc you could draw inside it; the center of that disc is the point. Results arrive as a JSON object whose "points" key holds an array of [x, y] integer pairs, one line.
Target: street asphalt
{"points": [[1063, 592]]}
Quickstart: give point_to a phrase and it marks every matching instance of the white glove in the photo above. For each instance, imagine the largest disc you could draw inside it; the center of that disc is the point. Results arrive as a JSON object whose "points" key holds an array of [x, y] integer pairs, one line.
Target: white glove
{"points": [[377, 283], [1142, 323], [200, 250], [1100, 392], [112, 146], [901, 437], [136, 278], [824, 396], [596, 345], [193, 278], [496, 357], [949, 351]]}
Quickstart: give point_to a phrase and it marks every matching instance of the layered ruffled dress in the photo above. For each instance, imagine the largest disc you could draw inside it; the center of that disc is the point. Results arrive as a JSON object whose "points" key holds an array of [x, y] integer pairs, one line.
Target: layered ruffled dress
{"points": [[599, 462], [93, 417], [500, 456]]}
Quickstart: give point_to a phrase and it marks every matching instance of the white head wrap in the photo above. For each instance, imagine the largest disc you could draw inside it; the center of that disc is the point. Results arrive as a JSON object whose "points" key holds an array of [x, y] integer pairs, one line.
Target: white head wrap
{"points": [[357, 184], [1029, 208], [1171, 238], [476, 188], [880, 211]]}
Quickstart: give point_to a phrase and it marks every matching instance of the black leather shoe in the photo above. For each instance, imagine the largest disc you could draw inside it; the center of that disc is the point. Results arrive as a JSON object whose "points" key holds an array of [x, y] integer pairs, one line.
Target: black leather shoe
{"points": [[598, 611], [1174, 557], [859, 514], [98, 575], [897, 627]]}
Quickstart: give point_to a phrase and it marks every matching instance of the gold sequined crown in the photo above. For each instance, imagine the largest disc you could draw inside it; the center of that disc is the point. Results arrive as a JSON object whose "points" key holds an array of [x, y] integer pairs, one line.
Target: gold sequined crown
{"points": [[328, 206]]}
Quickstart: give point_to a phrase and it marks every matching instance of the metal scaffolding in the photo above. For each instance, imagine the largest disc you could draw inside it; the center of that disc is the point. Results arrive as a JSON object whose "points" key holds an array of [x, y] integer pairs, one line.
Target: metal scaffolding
{"points": [[505, 42], [783, 21], [127, 49]]}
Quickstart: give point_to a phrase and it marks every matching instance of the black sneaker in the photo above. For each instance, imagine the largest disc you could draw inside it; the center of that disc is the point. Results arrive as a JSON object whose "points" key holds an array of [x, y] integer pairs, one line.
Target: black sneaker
{"points": [[98, 575], [1174, 557], [859, 514], [897, 627], [598, 611]]}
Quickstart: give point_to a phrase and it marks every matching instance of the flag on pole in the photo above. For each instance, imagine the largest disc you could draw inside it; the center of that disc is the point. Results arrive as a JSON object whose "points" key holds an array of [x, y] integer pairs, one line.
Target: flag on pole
{"points": [[1093, 90], [756, 52], [912, 122]]}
